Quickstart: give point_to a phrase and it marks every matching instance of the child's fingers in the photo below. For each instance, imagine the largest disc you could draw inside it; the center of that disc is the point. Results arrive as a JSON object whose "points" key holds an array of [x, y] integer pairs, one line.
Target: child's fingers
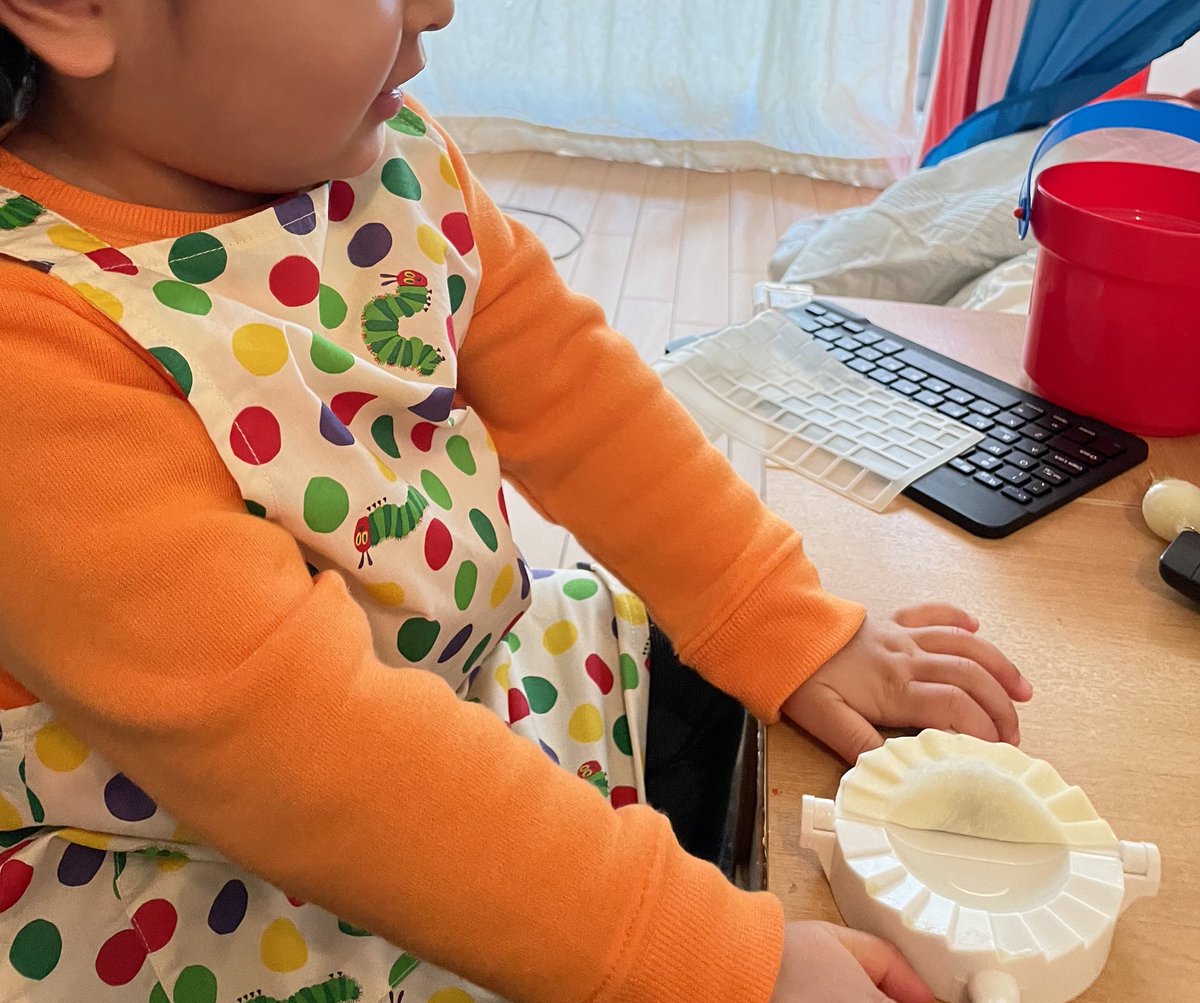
{"points": [[965, 645], [838, 725], [979, 684], [885, 966], [947, 708], [936, 614]]}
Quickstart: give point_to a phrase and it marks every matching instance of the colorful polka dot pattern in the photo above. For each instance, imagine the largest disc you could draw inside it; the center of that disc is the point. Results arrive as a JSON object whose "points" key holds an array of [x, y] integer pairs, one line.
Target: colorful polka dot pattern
{"points": [[317, 341], [362, 455], [565, 680], [554, 680]]}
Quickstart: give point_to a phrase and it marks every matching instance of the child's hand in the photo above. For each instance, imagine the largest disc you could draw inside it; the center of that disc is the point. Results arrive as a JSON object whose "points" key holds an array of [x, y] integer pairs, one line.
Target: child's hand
{"points": [[823, 963], [924, 668]]}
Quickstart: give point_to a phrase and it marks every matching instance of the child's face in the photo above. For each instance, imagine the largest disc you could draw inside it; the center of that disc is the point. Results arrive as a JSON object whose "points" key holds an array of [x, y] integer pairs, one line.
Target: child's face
{"points": [[254, 95]]}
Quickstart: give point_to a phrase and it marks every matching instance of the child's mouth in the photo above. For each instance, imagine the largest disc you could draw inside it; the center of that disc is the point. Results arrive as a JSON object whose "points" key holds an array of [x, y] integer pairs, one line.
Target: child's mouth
{"points": [[388, 104]]}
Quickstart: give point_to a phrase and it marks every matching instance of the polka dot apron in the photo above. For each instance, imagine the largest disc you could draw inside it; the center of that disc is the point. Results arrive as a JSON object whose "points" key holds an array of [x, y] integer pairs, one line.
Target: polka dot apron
{"points": [[318, 342]]}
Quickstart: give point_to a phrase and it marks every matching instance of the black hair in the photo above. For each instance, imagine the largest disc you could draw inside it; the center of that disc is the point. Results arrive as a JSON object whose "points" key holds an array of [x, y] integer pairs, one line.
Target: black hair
{"points": [[18, 78]]}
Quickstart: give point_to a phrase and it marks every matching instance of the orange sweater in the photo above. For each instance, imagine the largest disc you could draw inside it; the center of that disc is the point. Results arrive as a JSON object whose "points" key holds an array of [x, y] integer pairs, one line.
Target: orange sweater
{"points": [[184, 640]]}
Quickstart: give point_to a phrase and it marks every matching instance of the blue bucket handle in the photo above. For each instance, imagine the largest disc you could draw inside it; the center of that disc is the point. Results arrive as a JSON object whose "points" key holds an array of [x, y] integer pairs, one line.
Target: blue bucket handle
{"points": [[1129, 113]]}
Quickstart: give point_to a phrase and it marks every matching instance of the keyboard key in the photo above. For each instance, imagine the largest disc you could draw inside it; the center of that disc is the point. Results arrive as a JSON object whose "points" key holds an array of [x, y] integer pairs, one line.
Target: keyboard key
{"points": [[1054, 422], [1013, 476], [1032, 449], [953, 410], [1081, 434], [1051, 476], [1003, 397], [1035, 488], [1065, 464], [985, 461], [1038, 454], [1108, 447], [1080, 454], [816, 311]]}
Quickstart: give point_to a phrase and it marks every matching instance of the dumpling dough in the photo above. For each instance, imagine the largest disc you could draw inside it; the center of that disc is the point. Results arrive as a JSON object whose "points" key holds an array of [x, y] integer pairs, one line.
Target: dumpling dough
{"points": [[962, 785]]}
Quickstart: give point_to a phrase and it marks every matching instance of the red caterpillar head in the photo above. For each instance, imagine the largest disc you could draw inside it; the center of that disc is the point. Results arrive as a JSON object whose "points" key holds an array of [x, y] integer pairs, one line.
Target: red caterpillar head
{"points": [[410, 277], [362, 535], [589, 769]]}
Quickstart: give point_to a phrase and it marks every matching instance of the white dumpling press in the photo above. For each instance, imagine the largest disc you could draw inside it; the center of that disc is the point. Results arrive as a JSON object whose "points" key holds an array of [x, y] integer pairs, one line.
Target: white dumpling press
{"points": [[997, 880]]}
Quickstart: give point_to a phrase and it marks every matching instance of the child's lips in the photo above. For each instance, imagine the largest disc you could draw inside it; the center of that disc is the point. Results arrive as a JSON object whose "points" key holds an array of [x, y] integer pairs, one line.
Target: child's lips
{"points": [[388, 104]]}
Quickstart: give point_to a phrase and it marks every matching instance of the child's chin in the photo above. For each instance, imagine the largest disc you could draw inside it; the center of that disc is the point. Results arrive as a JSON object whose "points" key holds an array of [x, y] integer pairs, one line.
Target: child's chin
{"points": [[362, 154]]}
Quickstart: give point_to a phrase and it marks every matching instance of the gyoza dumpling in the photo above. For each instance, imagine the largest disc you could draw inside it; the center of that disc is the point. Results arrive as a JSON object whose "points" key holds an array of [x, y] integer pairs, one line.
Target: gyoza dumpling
{"points": [[962, 785]]}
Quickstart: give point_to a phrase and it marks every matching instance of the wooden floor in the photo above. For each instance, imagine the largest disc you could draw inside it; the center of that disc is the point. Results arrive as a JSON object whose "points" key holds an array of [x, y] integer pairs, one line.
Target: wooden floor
{"points": [[667, 252]]}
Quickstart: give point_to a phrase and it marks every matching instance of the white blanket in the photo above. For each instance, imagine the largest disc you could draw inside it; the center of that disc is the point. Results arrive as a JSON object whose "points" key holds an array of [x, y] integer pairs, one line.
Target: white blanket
{"points": [[947, 234]]}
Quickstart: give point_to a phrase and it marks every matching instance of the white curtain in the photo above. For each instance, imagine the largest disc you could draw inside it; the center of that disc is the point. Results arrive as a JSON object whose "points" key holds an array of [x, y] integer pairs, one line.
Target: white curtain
{"points": [[819, 87]]}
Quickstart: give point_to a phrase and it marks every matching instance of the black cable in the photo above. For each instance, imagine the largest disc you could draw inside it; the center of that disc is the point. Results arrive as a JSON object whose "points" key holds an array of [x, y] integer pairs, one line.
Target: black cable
{"points": [[558, 219]]}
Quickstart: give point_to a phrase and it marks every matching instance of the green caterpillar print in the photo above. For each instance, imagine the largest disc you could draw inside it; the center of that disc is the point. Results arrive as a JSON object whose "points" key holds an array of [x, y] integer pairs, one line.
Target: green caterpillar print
{"points": [[388, 522], [381, 321], [338, 988], [19, 212]]}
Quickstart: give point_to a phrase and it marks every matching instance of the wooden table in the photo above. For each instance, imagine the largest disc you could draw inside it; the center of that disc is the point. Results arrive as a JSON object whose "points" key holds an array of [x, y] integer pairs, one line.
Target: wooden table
{"points": [[1076, 601]]}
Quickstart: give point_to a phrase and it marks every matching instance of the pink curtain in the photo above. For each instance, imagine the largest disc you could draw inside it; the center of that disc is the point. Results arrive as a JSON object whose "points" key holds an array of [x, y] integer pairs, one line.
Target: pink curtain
{"points": [[955, 91], [1005, 28]]}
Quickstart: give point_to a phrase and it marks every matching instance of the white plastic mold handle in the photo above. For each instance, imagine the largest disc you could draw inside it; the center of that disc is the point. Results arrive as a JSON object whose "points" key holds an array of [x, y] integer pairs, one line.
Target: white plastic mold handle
{"points": [[816, 829], [993, 987], [1142, 864]]}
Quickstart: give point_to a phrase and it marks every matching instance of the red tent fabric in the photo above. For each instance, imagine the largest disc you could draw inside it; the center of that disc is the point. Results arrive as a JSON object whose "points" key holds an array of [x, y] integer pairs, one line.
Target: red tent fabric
{"points": [[954, 94]]}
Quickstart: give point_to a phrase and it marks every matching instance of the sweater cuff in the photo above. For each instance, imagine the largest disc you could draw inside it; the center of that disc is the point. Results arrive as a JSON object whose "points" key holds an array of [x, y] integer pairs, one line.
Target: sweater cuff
{"points": [[786, 628], [702, 938]]}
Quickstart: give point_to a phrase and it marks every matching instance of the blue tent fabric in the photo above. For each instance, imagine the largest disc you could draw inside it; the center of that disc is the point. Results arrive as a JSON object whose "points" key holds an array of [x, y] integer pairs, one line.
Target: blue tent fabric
{"points": [[1071, 53]]}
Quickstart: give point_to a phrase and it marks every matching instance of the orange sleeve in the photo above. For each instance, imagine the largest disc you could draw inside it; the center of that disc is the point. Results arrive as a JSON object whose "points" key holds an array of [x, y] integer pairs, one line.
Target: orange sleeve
{"points": [[588, 432], [183, 639]]}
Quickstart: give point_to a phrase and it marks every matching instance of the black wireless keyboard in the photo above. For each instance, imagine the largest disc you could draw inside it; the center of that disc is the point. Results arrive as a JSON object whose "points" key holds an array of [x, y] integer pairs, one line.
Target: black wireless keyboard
{"points": [[1036, 456]]}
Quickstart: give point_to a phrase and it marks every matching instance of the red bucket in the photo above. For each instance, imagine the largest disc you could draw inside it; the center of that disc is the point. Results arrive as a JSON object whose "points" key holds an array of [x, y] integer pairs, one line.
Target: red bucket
{"points": [[1113, 324]]}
